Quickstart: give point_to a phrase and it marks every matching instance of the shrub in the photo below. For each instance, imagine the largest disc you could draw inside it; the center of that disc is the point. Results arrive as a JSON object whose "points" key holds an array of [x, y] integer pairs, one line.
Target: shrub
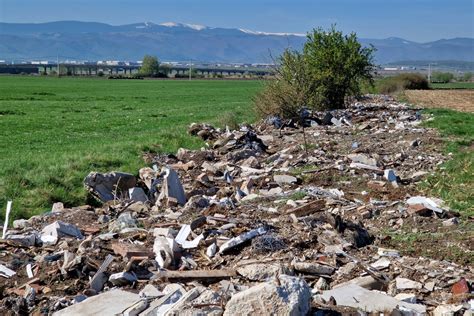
{"points": [[330, 69], [229, 119], [405, 81]]}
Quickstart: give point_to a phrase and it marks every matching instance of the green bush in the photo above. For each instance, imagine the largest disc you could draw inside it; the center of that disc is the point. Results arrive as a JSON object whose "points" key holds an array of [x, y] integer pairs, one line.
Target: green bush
{"points": [[330, 69], [405, 81]]}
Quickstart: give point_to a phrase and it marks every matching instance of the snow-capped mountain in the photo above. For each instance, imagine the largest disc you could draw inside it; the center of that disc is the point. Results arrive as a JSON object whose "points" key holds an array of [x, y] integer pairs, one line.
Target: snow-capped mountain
{"points": [[181, 42]]}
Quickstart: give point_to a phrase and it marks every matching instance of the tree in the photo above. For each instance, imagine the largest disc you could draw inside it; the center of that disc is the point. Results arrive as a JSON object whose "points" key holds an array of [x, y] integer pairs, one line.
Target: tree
{"points": [[467, 76], [330, 68], [150, 66], [442, 77]]}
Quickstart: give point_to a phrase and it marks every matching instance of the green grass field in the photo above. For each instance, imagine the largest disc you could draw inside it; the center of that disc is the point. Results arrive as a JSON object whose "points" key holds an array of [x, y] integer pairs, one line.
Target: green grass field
{"points": [[54, 131], [453, 85]]}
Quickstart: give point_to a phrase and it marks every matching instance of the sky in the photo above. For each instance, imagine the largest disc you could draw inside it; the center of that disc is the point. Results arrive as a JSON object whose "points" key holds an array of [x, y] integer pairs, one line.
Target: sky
{"points": [[417, 20]]}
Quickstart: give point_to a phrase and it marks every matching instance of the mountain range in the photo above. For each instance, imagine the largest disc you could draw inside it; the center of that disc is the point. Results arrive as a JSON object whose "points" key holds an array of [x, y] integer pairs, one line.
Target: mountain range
{"points": [[183, 42]]}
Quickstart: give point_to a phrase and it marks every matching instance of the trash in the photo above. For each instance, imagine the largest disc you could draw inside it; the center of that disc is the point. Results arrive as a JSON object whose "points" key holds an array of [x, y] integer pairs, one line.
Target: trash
{"points": [[242, 238], [109, 186], [407, 284], [137, 194], [172, 187], [51, 233], [460, 287], [7, 218], [5, 272], [122, 278]]}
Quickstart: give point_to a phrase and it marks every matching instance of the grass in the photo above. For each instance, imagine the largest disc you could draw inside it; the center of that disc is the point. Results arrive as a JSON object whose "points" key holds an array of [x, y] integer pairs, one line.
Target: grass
{"points": [[53, 132], [453, 85], [455, 181]]}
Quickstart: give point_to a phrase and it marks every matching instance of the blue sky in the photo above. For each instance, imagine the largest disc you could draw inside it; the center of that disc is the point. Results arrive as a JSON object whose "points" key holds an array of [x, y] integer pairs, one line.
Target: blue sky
{"points": [[418, 20]]}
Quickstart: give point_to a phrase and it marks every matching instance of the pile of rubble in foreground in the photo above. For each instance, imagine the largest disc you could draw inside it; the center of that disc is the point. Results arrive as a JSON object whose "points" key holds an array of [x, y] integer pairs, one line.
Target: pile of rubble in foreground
{"points": [[265, 220]]}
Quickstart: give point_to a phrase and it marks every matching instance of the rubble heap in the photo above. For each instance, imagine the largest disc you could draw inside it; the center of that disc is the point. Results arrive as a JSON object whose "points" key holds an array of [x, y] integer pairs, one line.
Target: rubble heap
{"points": [[264, 220]]}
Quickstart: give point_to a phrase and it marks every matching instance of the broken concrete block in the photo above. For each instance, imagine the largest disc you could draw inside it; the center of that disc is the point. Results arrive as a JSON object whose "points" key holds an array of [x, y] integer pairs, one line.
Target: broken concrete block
{"points": [[150, 291], [109, 186], [407, 284], [313, 268], [6, 272], [182, 236], [172, 186], [406, 297], [451, 222], [211, 250], [363, 159], [27, 240], [262, 271], [122, 278], [51, 233], [173, 293], [108, 303], [290, 296], [137, 195], [284, 179], [369, 301], [447, 310]]}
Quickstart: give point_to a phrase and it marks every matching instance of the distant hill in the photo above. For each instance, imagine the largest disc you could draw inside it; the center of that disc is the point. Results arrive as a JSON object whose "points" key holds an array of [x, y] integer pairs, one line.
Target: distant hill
{"points": [[182, 42]]}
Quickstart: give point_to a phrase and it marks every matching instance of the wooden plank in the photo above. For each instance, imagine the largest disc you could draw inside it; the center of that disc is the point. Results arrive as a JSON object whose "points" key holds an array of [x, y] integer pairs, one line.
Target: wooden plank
{"points": [[196, 274], [308, 208]]}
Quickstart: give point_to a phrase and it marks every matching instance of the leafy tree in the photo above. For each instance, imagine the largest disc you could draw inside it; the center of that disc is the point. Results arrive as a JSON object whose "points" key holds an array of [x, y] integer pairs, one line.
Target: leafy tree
{"points": [[330, 68], [442, 77], [467, 76], [150, 66]]}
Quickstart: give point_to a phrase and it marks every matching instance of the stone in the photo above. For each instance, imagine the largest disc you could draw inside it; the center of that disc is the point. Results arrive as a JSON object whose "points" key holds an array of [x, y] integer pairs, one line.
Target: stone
{"points": [[150, 291], [460, 287], [321, 285], [451, 222], [21, 224], [407, 284], [313, 268], [447, 310], [251, 162], [406, 297], [108, 303], [368, 301], [284, 179], [363, 159], [109, 186], [57, 207], [290, 296], [247, 186], [125, 220], [261, 271], [173, 293]]}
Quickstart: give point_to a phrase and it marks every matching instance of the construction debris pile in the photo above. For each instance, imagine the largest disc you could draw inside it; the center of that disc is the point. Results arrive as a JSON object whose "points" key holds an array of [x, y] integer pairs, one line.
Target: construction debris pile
{"points": [[264, 220]]}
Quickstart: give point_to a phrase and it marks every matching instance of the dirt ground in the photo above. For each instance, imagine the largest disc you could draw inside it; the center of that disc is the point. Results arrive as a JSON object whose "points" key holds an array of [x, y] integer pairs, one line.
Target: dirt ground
{"points": [[462, 100]]}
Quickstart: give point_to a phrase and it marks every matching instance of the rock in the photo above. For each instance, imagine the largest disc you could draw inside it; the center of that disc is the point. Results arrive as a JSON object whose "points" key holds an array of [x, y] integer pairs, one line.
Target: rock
{"points": [[313, 268], [150, 291], [21, 224], [51, 233], [109, 186], [57, 207], [108, 303], [370, 301], [363, 159], [125, 220], [407, 284], [261, 271], [451, 222], [251, 162], [321, 285], [197, 202], [460, 287], [447, 310], [284, 179], [291, 296], [406, 297]]}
